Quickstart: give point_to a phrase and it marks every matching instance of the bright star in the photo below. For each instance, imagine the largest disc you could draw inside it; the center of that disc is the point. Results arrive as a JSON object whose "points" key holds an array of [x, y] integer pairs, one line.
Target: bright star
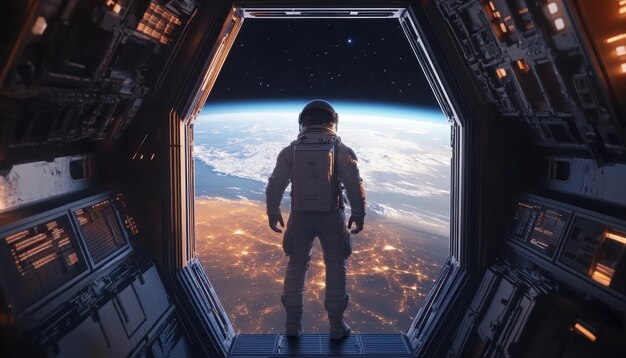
{"points": [[349, 41]]}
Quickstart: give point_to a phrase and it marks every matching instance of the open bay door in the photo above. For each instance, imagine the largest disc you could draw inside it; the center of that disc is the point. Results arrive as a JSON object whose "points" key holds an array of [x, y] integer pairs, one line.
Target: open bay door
{"points": [[208, 323]]}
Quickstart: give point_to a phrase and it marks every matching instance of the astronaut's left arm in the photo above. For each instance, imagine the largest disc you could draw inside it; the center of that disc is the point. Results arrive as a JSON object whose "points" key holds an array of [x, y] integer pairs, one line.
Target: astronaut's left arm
{"points": [[348, 171]]}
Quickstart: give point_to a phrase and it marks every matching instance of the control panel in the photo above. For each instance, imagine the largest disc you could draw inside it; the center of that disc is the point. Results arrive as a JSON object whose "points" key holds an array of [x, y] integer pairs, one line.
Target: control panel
{"points": [[573, 244]]}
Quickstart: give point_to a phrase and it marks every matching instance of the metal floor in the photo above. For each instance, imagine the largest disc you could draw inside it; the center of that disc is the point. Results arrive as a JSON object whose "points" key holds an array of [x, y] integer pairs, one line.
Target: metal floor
{"points": [[319, 345]]}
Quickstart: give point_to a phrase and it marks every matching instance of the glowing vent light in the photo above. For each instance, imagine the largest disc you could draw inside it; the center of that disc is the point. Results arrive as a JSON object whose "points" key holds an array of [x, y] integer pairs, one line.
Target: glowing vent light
{"points": [[503, 27], [115, 7], [492, 6], [40, 26], [501, 72], [158, 23], [623, 67], [553, 8], [496, 14], [622, 10], [522, 65], [620, 50], [585, 332], [559, 24]]}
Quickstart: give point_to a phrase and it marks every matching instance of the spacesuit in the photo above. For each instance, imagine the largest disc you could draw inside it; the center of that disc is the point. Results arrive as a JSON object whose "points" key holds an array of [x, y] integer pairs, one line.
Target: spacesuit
{"points": [[330, 227]]}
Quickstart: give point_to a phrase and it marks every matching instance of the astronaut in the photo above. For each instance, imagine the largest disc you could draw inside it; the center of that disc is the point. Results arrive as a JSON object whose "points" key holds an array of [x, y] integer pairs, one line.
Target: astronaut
{"points": [[319, 166]]}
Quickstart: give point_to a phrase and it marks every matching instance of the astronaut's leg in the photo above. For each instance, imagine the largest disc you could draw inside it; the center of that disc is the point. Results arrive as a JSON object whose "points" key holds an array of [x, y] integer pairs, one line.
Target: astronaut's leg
{"points": [[294, 307], [297, 244], [335, 240]]}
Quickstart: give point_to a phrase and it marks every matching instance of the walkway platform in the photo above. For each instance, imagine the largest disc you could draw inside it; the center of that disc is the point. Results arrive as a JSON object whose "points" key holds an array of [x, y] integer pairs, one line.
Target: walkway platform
{"points": [[320, 345]]}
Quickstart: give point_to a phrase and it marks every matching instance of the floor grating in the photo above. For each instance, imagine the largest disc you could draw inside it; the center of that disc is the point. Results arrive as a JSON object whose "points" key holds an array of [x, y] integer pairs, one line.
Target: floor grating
{"points": [[319, 345]]}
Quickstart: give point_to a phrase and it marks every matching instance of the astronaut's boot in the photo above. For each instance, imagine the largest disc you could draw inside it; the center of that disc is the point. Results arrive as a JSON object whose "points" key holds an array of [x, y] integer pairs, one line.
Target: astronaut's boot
{"points": [[293, 305], [293, 325], [338, 327], [336, 307]]}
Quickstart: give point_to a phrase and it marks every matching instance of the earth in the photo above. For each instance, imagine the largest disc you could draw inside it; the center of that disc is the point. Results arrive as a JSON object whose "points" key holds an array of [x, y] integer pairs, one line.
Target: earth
{"points": [[404, 159]]}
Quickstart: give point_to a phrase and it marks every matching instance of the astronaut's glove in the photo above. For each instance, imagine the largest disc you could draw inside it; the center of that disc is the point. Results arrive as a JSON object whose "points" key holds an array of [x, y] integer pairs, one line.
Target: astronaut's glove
{"points": [[358, 220], [274, 219]]}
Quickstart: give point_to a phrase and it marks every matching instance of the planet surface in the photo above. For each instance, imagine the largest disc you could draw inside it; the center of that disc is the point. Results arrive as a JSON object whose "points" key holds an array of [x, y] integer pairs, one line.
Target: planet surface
{"points": [[404, 159]]}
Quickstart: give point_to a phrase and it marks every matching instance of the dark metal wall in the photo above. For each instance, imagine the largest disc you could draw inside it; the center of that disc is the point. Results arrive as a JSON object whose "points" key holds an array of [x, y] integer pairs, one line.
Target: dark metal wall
{"points": [[97, 93]]}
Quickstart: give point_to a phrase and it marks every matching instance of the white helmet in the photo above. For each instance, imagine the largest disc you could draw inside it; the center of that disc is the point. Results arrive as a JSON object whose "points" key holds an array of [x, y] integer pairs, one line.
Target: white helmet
{"points": [[318, 112]]}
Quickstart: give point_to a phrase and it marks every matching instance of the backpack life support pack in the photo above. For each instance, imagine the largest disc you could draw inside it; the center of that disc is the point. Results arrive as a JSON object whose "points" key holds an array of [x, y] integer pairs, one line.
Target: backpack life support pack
{"points": [[314, 183]]}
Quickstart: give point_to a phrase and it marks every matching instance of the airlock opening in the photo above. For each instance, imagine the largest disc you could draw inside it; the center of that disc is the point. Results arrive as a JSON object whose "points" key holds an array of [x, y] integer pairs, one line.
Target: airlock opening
{"points": [[404, 157]]}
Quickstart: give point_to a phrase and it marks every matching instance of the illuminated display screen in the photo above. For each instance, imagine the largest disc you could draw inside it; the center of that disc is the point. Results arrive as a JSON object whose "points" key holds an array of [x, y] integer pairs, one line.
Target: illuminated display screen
{"points": [[40, 258], [101, 230], [539, 227], [129, 220]]}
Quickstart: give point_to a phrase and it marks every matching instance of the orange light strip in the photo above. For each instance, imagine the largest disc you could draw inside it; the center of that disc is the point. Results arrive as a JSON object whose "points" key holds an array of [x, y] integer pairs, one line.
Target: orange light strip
{"points": [[522, 65], [601, 276], [585, 332], [616, 237], [616, 38]]}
